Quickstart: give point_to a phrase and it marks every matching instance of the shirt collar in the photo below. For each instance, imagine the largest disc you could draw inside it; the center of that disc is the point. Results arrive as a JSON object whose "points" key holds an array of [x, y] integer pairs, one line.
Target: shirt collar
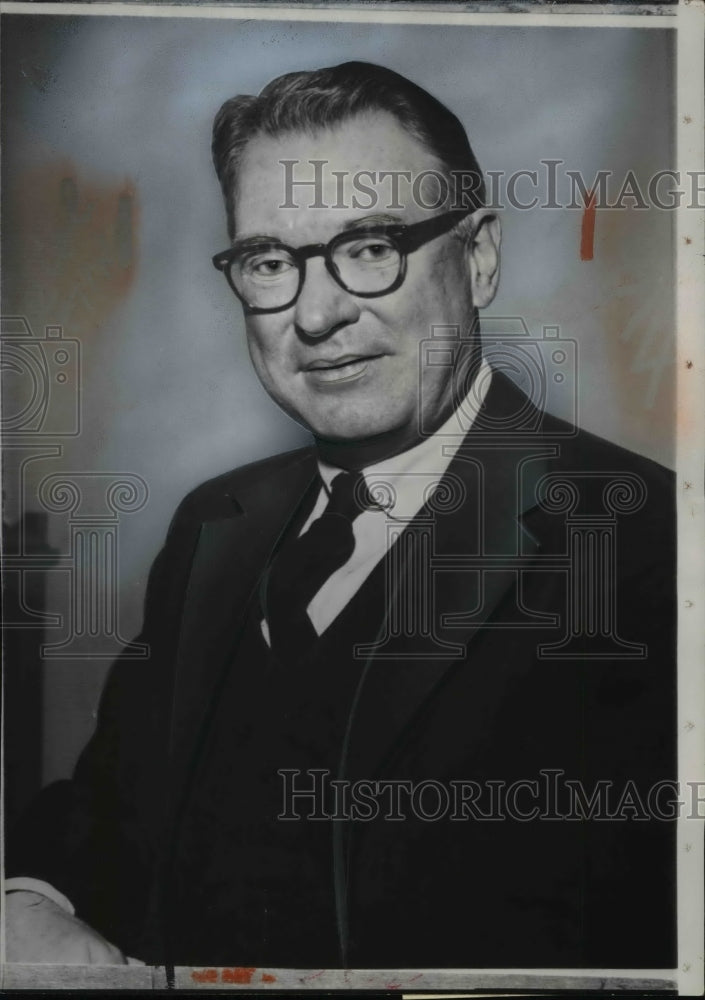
{"points": [[402, 484]]}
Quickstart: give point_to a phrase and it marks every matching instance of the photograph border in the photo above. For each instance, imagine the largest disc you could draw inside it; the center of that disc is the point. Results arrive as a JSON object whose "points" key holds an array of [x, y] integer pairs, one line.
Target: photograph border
{"points": [[688, 21]]}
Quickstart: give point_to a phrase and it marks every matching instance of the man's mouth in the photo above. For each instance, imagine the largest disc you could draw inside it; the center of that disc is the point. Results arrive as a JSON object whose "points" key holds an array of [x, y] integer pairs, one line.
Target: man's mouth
{"points": [[340, 369]]}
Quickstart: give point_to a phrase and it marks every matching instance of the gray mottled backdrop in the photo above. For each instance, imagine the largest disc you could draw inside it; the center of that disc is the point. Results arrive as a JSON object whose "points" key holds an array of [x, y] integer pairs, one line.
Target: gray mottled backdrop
{"points": [[112, 211]]}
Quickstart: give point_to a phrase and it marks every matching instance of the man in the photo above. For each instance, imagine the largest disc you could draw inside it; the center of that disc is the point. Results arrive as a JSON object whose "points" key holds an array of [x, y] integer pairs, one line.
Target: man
{"points": [[391, 675]]}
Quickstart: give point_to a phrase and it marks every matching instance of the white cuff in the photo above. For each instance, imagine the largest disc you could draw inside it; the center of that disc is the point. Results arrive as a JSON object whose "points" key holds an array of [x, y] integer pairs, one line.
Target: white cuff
{"points": [[41, 888]]}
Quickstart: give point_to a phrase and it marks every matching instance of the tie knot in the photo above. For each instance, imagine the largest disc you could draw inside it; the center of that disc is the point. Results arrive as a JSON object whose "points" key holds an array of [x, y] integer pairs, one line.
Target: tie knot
{"points": [[348, 495]]}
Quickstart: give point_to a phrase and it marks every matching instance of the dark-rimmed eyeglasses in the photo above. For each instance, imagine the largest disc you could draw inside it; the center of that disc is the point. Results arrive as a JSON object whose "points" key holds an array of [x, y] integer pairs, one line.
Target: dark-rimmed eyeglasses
{"points": [[367, 260]]}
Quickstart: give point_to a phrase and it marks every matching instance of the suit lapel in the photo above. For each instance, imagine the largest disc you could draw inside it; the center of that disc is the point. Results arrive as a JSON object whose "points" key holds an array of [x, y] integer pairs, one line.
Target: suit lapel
{"points": [[400, 677], [230, 556]]}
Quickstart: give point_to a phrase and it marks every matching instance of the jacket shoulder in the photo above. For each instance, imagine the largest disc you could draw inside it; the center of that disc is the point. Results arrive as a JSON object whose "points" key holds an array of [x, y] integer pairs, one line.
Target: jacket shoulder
{"points": [[219, 497], [577, 450], [584, 451]]}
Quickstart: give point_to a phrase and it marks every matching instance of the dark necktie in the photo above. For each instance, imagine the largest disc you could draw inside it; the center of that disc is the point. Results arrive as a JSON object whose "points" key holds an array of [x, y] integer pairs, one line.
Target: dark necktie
{"points": [[302, 565]]}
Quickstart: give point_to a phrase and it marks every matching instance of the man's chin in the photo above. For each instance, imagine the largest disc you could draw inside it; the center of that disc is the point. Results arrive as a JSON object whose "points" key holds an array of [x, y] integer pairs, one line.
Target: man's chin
{"points": [[351, 434], [365, 445]]}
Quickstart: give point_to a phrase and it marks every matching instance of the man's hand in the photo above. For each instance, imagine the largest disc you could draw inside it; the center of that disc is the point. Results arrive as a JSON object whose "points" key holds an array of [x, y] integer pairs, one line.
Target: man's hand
{"points": [[39, 932]]}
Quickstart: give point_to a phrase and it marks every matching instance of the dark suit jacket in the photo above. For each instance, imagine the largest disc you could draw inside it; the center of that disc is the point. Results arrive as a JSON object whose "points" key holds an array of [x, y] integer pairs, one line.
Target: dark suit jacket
{"points": [[528, 668]]}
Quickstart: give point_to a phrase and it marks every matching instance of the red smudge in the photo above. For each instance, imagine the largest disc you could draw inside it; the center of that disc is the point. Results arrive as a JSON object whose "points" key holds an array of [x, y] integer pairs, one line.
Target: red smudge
{"points": [[267, 977], [399, 985], [240, 974], [205, 975], [587, 230]]}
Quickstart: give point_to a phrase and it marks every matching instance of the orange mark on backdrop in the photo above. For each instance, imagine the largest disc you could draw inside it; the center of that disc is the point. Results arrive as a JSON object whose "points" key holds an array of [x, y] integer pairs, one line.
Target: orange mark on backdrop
{"points": [[240, 974], [73, 252], [636, 320], [70, 258], [205, 975], [587, 230], [267, 977]]}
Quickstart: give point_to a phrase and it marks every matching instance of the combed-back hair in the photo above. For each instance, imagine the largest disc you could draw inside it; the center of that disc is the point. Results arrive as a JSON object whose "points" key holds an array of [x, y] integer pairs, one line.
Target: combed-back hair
{"points": [[322, 98]]}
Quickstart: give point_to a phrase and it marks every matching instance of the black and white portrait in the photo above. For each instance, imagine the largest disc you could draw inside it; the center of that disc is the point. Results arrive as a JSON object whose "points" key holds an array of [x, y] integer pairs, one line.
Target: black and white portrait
{"points": [[349, 402]]}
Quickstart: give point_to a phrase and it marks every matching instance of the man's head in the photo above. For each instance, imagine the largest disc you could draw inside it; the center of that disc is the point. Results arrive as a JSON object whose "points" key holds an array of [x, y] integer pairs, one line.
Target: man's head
{"points": [[344, 357]]}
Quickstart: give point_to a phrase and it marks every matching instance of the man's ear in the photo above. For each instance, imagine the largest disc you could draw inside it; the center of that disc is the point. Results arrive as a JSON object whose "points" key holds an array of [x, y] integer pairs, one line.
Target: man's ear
{"points": [[484, 239]]}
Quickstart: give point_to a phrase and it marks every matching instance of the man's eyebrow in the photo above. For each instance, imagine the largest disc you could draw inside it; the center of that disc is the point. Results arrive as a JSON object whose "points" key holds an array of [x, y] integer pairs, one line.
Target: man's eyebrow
{"points": [[380, 218], [245, 241]]}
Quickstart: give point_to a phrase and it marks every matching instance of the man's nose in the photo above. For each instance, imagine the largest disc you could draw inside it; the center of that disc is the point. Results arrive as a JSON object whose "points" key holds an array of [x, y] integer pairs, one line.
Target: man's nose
{"points": [[323, 305]]}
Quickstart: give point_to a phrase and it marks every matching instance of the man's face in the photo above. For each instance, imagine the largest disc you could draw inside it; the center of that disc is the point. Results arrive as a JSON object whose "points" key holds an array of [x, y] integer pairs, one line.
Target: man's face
{"points": [[344, 366]]}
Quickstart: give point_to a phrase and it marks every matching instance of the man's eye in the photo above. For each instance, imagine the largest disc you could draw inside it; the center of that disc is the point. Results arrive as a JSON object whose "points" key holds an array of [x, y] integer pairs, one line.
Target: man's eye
{"points": [[372, 251], [270, 266]]}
